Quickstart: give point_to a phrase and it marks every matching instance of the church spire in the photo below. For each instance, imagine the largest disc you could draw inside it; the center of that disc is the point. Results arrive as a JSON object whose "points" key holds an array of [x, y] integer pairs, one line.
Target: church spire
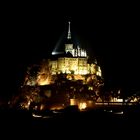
{"points": [[69, 32]]}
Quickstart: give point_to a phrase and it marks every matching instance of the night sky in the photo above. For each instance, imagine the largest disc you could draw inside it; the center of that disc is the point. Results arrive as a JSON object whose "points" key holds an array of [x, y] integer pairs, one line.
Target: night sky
{"points": [[110, 33]]}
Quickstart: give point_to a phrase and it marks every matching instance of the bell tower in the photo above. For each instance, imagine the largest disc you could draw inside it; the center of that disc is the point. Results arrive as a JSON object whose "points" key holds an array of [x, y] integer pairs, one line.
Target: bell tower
{"points": [[69, 44]]}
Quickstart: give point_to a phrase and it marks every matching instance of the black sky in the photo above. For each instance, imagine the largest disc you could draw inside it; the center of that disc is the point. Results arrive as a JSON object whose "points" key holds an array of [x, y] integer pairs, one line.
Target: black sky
{"points": [[110, 33]]}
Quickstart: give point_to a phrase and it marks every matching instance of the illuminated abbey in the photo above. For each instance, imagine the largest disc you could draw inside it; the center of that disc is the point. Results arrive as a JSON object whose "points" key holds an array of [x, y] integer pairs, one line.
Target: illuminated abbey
{"points": [[75, 61], [66, 78], [72, 62]]}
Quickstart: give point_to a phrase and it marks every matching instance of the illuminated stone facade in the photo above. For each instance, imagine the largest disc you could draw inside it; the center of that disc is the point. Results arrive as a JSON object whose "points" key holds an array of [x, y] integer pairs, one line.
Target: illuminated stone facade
{"points": [[74, 65], [74, 62]]}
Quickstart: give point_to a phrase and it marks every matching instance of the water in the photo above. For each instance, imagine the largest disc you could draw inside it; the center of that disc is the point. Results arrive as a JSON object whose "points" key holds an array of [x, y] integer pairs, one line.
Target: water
{"points": [[101, 122]]}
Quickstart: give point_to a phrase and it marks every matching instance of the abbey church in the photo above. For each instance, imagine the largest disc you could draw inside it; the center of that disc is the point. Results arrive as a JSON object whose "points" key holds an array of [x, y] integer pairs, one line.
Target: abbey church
{"points": [[75, 60]]}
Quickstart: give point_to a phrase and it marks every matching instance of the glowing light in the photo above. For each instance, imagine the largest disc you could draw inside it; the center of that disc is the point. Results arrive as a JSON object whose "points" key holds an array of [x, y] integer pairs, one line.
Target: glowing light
{"points": [[134, 100], [43, 82], [119, 100], [90, 88], [116, 100], [42, 107], [36, 116], [58, 107], [82, 105], [53, 53], [73, 102], [121, 112], [28, 104]]}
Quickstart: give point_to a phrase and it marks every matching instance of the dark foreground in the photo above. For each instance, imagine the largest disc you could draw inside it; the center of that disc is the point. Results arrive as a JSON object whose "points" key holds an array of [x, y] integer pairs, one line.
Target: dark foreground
{"points": [[71, 124]]}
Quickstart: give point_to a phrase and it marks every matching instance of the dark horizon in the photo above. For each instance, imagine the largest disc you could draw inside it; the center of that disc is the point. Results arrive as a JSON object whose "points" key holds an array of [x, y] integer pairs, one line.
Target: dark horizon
{"points": [[112, 36]]}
